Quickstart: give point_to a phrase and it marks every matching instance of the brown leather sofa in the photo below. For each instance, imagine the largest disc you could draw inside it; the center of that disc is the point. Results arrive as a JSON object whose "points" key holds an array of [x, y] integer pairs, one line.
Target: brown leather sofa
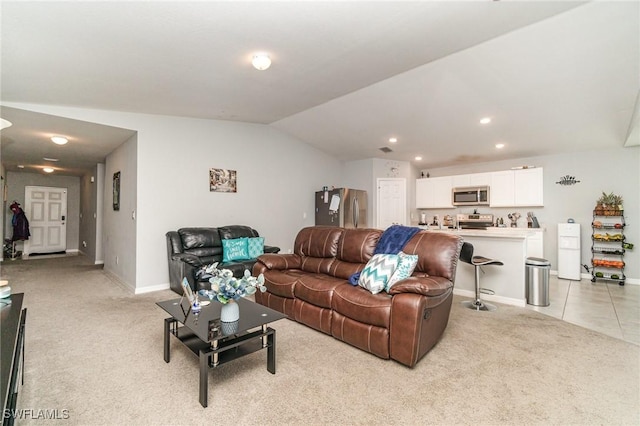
{"points": [[311, 286]]}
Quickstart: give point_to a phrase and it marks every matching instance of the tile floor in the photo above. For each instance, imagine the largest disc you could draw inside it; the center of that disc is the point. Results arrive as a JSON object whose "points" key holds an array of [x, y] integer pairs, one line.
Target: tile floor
{"points": [[608, 308]]}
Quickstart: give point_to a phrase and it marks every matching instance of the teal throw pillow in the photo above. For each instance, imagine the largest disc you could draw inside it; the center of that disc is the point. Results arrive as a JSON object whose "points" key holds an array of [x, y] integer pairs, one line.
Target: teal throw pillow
{"points": [[377, 272], [235, 249], [256, 247], [406, 265]]}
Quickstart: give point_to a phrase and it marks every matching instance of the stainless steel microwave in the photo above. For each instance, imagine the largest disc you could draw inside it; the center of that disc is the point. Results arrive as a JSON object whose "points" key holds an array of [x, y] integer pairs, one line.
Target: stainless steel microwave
{"points": [[470, 196]]}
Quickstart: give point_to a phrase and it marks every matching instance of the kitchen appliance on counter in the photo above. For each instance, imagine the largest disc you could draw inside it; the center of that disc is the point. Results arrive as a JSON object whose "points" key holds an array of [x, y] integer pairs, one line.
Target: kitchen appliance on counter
{"points": [[474, 220], [470, 196], [343, 207]]}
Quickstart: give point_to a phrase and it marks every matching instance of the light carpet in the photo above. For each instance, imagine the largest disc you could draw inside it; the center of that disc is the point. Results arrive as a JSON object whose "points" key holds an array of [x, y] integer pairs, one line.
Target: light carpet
{"points": [[94, 349]]}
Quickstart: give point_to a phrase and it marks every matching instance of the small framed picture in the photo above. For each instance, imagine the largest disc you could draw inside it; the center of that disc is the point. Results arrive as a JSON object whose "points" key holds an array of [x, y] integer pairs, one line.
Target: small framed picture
{"points": [[222, 180], [116, 191]]}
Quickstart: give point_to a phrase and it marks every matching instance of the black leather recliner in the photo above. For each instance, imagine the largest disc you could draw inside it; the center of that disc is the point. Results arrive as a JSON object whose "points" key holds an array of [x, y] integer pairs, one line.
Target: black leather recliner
{"points": [[190, 248]]}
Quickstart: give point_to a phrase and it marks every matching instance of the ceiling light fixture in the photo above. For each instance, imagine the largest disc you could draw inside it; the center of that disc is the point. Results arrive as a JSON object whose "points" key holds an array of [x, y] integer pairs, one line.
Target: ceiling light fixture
{"points": [[48, 169], [50, 159], [261, 61], [418, 158], [393, 140], [20, 166], [499, 145], [5, 123], [59, 140], [485, 120]]}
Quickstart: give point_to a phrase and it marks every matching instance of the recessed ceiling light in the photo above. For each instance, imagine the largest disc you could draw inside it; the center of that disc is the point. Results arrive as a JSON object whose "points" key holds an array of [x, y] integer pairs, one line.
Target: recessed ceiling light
{"points": [[5, 123], [499, 145], [50, 159], [393, 140], [60, 140], [485, 120], [261, 61], [48, 169], [418, 158]]}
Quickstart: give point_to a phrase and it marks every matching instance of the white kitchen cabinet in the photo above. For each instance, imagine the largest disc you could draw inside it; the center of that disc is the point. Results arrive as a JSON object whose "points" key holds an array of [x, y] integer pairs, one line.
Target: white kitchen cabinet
{"points": [[535, 244], [433, 193], [480, 179], [517, 188], [528, 187], [502, 189], [473, 179]]}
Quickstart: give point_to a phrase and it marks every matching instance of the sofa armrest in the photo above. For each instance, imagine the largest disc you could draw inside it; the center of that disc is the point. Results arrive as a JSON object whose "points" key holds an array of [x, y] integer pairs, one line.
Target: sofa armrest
{"points": [[189, 258], [271, 249], [427, 286], [280, 261]]}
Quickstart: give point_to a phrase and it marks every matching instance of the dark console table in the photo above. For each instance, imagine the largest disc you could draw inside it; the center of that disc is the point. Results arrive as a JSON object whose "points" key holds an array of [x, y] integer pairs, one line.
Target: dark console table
{"points": [[12, 320]]}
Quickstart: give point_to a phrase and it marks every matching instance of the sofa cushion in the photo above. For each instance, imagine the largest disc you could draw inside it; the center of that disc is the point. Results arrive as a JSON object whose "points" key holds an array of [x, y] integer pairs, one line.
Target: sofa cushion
{"points": [[360, 305], [406, 265], [282, 283], [375, 276], [318, 241], [438, 253], [237, 231], [357, 245], [235, 249], [255, 246], [195, 238], [317, 289]]}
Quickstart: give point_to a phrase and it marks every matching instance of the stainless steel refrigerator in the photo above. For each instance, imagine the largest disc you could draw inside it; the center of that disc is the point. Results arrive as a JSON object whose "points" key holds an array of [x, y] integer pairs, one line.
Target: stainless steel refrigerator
{"points": [[342, 207]]}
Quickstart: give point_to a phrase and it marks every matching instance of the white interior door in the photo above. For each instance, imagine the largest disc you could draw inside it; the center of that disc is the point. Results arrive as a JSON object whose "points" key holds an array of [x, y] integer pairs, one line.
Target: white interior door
{"points": [[391, 202], [46, 210]]}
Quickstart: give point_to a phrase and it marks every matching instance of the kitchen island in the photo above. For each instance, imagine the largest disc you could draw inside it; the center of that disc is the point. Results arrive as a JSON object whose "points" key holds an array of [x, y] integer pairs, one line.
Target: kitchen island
{"points": [[511, 246]]}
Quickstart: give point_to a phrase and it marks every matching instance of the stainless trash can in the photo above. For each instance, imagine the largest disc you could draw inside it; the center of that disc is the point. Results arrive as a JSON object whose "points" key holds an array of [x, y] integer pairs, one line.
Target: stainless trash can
{"points": [[537, 284]]}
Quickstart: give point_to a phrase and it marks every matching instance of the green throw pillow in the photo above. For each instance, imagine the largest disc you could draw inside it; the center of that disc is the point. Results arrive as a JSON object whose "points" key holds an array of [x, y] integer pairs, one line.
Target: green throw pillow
{"points": [[256, 247], [406, 265], [235, 249], [377, 272]]}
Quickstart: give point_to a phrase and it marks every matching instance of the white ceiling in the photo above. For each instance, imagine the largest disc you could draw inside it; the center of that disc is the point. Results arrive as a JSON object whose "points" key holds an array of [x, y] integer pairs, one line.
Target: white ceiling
{"points": [[346, 76]]}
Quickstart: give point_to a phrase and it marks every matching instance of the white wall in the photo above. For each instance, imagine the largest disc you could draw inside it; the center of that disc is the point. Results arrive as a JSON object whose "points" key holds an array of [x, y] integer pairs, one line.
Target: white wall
{"points": [[364, 174], [613, 170], [120, 226], [88, 200], [277, 178]]}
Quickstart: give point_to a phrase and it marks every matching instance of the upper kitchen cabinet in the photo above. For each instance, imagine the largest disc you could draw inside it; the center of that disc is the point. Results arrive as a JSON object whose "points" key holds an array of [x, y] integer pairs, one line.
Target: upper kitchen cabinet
{"points": [[434, 193], [474, 179], [517, 188], [502, 189], [529, 187]]}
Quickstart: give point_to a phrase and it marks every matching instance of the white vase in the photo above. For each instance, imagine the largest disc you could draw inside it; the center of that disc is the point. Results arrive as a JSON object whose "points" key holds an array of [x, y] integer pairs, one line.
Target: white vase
{"points": [[230, 311]]}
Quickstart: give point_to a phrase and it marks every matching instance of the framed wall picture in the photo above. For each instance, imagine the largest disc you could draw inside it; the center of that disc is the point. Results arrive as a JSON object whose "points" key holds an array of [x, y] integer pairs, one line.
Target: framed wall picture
{"points": [[116, 191], [222, 180]]}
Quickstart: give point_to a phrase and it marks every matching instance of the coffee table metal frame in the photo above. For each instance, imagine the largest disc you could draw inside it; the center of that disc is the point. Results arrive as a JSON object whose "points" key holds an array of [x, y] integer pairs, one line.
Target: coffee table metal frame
{"points": [[217, 349]]}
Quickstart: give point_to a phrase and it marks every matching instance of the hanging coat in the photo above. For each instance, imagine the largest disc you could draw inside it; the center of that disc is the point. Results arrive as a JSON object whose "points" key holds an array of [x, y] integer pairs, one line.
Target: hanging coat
{"points": [[20, 225]]}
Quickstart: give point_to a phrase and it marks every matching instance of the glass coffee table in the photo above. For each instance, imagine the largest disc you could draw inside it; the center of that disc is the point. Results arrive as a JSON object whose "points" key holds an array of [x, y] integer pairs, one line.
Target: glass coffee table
{"points": [[216, 342]]}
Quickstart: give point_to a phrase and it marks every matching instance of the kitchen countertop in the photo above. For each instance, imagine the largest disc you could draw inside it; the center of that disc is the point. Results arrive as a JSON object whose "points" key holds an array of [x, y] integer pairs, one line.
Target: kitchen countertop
{"points": [[513, 233]]}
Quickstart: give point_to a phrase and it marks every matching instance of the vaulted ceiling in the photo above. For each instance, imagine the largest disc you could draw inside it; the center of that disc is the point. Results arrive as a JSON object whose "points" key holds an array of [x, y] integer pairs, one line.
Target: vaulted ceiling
{"points": [[346, 76]]}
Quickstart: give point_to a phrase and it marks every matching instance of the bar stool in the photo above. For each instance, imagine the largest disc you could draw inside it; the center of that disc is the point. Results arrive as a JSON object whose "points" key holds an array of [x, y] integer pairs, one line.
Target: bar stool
{"points": [[466, 255]]}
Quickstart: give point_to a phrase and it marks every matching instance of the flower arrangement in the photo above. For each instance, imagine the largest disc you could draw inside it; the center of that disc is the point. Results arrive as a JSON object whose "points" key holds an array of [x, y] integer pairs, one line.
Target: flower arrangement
{"points": [[225, 287]]}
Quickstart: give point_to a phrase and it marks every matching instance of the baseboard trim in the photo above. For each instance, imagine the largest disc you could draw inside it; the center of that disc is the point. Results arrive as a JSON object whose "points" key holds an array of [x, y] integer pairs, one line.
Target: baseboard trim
{"points": [[586, 276], [491, 298], [151, 288]]}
